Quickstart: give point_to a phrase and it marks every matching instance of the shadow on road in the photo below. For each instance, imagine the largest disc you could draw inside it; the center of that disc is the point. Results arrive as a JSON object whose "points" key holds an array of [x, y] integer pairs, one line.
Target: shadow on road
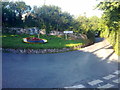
{"points": [[110, 47], [98, 40], [110, 55], [53, 70], [100, 48]]}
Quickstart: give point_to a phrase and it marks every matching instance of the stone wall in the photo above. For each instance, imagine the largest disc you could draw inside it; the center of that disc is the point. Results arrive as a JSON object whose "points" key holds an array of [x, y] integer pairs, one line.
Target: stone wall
{"points": [[38, 51], [20, 30], [43, 51], [78, 36]]}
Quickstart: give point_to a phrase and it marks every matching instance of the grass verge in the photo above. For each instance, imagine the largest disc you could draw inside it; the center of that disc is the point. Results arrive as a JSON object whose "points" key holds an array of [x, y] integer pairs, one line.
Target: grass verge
{"points": [[54, 42]]}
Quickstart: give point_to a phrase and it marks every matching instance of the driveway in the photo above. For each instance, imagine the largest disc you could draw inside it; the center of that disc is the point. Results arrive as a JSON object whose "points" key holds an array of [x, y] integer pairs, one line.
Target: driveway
{"points": [[91, 67]]}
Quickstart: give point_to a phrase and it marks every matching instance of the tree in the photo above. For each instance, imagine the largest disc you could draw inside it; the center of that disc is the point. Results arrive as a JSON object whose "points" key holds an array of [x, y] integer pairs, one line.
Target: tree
{"points": [[84, 23], [111, 16], [111, 12], [12, 13], [94, 23], [52, 18], [111, 19]]}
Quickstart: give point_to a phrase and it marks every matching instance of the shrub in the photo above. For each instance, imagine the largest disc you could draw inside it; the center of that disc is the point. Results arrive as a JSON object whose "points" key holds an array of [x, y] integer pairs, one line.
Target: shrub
{"points": [[91, 36], [117, 45], [112, 38]]}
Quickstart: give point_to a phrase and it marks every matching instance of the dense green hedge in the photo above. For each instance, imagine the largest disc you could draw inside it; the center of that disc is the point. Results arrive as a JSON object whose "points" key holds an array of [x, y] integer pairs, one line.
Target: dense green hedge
{"points": [[113, 38], [117, 45]]}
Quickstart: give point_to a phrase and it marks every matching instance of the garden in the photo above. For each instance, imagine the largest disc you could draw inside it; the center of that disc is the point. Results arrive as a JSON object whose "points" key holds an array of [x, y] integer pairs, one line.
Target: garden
{"points": [[54, 42], [52, 18]]}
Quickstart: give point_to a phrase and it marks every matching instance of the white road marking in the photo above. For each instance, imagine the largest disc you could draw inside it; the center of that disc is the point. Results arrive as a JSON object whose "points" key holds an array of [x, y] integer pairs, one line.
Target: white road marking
{"points": [[76, 86], [106, 86], [117, 80], [95, 82], [109, 77], [117, 72]]}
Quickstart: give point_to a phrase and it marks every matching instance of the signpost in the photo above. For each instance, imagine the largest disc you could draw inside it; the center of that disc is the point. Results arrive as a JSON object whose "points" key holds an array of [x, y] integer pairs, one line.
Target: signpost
{"points": [[66, 32]]}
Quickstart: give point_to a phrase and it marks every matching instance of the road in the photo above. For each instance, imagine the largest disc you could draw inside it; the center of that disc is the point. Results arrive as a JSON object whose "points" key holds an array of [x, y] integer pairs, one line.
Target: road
{"points": [[97, 63]]}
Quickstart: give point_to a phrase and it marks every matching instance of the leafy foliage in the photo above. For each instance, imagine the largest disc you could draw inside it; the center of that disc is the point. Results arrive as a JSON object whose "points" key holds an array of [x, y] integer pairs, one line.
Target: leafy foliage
{"points": [[111, 20], [12, 13]]}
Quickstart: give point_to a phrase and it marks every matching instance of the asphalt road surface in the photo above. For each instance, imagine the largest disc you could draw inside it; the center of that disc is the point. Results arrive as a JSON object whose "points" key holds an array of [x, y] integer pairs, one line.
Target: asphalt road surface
{"points": [[96, 63]]}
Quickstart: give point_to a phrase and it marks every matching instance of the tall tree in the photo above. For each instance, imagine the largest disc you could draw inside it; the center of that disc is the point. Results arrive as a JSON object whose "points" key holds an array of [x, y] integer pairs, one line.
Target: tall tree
{"points": [[111, 16], [52, 18], [13, 11]]}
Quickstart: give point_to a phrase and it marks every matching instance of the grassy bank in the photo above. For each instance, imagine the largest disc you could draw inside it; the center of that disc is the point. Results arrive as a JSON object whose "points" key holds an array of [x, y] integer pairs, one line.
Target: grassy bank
{"points": [[15, 41]]}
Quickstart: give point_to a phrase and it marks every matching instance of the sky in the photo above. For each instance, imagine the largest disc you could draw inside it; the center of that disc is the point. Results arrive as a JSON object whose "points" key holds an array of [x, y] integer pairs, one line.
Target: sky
{"points": [[74, 7]]}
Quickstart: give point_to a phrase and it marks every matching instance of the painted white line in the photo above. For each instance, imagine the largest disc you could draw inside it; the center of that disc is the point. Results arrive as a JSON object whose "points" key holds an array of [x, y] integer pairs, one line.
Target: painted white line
{"points": [[106, 86], [76, 86], [117, 80], [117, 72], [95, 82], [109, 77]]}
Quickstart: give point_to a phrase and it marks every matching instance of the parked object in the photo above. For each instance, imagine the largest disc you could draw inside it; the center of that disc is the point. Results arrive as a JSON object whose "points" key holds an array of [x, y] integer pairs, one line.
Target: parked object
{"points": [[34, 40]]}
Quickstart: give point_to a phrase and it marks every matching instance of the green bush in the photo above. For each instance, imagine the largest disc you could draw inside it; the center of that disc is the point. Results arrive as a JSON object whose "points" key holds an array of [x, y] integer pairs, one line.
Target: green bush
{"points": [[104, 33], [113, 39], [91, 36], [117, 45]]}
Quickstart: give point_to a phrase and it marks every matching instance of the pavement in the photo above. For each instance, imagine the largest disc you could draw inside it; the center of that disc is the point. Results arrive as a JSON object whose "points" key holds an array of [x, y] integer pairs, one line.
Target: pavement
{"points": [[95, 66]]}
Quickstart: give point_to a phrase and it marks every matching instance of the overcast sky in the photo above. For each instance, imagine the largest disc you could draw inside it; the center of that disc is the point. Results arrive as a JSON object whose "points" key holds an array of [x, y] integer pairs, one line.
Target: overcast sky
{"points": [[74, 7]]}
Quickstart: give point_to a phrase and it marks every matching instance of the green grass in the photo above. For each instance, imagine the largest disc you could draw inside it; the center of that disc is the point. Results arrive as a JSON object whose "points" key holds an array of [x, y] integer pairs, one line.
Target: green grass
{"points": [[11, 41]]}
